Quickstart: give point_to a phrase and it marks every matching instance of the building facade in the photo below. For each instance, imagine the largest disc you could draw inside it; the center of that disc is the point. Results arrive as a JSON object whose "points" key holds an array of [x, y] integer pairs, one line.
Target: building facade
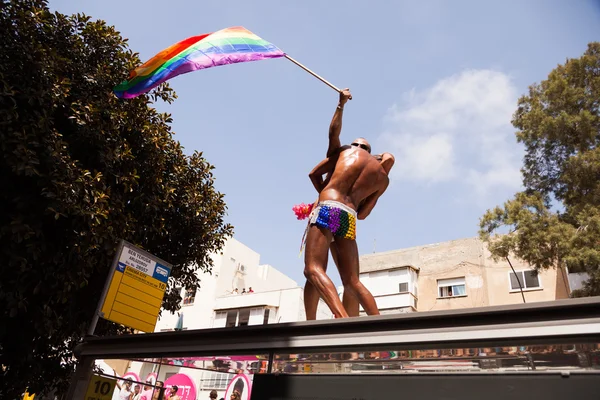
{"points": [[453, 275], [264, 295]]}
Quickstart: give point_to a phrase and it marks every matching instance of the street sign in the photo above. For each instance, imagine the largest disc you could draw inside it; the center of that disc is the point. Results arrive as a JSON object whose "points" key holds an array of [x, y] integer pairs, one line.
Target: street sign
{"points": [[100, 388], [136, 289]]}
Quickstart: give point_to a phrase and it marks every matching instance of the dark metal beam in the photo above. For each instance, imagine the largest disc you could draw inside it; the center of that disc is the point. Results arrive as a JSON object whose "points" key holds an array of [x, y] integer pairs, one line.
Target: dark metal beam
{"points": [[563, 321]]}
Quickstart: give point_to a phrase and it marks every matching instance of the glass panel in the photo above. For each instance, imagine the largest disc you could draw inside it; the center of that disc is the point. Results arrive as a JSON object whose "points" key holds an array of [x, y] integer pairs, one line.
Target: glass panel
{"points": [[531, 279], [190, 378], [228, 364], [450, 291], [220, 320], [215, 380], [403, 287], [244, 317], [190, 296], [231, 319], [136, 376], [514, 283], [459, 290], [501, 359]]}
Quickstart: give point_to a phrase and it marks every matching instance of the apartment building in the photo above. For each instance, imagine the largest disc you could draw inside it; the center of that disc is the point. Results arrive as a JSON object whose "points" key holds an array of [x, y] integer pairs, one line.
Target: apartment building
{"points": [[453, 275]]}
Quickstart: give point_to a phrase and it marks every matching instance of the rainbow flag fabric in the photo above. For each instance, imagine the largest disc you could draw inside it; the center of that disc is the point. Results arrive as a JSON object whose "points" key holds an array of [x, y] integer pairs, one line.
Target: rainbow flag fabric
{"points": [[227, 46]]}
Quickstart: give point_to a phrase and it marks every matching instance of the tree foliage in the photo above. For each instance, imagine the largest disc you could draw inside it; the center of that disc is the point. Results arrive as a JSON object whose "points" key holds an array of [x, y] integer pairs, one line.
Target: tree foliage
{"points": [[555, 221], [82, 169]]}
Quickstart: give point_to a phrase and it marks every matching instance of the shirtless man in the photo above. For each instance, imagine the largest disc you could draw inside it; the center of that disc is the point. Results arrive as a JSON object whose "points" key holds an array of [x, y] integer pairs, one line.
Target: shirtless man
{"points": [[358, 179], [350, 302], [311, 295]]}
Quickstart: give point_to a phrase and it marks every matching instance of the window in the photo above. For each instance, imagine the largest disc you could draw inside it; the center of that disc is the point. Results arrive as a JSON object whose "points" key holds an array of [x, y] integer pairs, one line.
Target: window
{"points": [[220, 319], [266, 318], [452, 287], [529, 280], [189, 297], [244, 317], [231, 319], [388, 282], [215, 380], [239, 317]]}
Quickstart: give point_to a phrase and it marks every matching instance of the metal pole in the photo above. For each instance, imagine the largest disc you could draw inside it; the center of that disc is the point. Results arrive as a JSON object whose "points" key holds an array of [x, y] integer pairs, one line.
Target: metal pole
{"points": [[313, 74], [81, 378], [111, 273], [270, 363]]}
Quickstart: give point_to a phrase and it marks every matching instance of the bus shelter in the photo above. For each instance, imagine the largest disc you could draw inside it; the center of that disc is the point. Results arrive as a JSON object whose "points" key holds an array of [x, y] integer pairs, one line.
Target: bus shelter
{"points": [[547, 350]]}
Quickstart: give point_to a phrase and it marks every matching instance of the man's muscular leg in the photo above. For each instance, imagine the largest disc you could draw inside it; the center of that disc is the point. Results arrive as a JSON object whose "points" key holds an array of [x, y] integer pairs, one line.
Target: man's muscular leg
{"points": [[349, 299], [311, 301], [311, 296], [315, 264], [349, 272]]}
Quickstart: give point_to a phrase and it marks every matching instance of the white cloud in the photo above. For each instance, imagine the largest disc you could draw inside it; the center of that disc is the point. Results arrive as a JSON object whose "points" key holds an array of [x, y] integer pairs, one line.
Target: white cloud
{"points": [[459, 131]]}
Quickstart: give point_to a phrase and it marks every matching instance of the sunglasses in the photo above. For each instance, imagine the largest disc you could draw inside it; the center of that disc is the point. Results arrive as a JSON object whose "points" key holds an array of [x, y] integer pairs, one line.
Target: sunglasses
{"points": [[362, 146]]}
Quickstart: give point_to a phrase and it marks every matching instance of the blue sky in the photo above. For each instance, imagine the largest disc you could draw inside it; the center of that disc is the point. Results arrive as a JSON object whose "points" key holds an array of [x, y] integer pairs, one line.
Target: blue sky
{"points": [[434, 82]]}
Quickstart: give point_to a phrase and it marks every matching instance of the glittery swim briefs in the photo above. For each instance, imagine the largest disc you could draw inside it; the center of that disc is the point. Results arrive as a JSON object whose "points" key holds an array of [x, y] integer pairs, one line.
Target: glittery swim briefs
{"points": [[336, 217]]}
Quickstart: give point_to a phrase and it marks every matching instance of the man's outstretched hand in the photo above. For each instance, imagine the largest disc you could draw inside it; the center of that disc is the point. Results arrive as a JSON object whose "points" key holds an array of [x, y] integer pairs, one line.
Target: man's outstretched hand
{"points": [[345, 95]]}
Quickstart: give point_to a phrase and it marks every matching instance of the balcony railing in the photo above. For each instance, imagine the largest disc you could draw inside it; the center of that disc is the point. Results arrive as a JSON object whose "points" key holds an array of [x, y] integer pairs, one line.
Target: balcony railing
{"points": [[256, 299], [396, 301]]}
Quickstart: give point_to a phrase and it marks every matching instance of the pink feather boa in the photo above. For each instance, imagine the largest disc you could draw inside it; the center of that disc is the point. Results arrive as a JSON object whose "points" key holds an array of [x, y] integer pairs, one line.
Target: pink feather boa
{"points": [[302, 210]]}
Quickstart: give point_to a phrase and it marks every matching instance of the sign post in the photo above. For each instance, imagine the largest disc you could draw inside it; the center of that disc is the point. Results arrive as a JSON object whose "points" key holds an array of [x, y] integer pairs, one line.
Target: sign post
{"points": [[134, 289]]}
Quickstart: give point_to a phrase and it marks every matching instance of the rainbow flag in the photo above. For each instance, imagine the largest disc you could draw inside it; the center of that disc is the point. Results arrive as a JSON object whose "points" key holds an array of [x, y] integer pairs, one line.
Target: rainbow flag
{"points": [[227, 46]]}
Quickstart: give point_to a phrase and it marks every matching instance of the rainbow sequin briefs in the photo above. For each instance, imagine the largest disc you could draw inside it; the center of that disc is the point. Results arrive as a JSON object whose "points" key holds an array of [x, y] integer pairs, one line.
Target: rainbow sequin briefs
{"points": [[336, 217]]}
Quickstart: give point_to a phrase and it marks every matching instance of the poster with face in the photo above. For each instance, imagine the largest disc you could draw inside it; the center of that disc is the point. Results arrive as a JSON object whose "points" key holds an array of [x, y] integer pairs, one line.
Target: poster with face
{"points": [[239, 388]]}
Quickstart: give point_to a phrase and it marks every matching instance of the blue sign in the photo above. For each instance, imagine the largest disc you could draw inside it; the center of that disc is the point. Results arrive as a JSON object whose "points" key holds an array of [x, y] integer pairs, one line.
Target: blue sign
{"points": [[120, 267], [161, 273]]}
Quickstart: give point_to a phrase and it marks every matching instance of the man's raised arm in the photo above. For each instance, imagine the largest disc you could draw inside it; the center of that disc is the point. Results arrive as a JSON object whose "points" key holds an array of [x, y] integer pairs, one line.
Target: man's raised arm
{"points": [[335, 128]]}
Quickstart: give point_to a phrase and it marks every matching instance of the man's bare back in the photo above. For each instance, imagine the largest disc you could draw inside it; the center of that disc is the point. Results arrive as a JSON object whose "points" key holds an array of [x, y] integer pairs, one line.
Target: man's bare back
{"points": [[357, 176], [357, 181]]}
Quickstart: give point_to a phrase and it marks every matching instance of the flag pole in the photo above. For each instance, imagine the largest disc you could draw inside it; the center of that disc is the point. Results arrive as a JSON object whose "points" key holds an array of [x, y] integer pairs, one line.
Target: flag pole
{"points": [[313, 74]]}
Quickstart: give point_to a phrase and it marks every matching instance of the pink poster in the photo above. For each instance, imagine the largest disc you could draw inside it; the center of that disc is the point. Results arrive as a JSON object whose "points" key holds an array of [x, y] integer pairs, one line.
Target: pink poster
{"points": [[131, 375], [240, 383], [185, 387], [151, 377]]}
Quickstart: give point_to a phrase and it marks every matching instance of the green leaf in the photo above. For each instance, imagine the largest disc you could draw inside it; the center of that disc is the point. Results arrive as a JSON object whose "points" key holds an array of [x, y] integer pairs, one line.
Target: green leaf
{"points": [[82, 170]]}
